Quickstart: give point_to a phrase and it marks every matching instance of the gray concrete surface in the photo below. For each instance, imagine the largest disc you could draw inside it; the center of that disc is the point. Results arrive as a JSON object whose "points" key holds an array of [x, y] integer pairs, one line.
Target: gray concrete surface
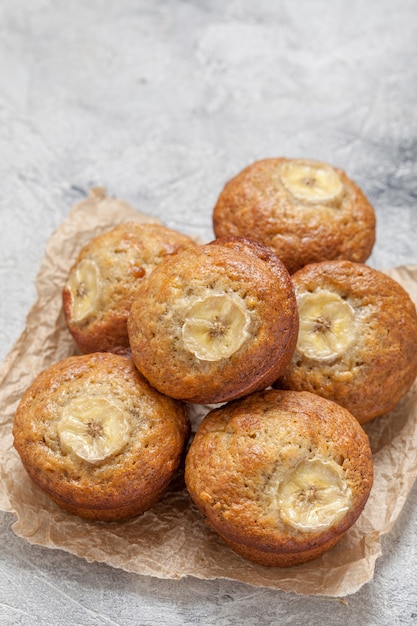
{"points": [[161, 102]]}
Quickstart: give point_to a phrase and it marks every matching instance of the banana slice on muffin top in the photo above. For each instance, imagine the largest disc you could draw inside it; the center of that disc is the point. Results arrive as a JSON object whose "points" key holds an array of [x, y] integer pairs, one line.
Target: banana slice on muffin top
{"points": [[306, 211], [357, 341], [102, 282], [215, 322], [97, 438], [280, 475]]}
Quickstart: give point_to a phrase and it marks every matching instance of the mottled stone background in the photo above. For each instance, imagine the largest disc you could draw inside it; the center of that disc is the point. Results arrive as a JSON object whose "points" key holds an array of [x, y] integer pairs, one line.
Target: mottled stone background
{"points": [[162, 102]]}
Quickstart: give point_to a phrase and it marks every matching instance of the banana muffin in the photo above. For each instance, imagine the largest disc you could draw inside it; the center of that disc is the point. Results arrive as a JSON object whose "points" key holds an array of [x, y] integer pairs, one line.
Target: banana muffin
{"points": [[97, 439], [280, 475], [103, 280], [215, 322], [306, 211], [357, 342]]}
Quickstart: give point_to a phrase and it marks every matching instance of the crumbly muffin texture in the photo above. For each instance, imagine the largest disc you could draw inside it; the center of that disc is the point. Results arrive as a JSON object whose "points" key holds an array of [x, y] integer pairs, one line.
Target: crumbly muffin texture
{"points": [[357, 342], [214, 322], [280, 475], [306, 211], [102, 282], [94, 436]]}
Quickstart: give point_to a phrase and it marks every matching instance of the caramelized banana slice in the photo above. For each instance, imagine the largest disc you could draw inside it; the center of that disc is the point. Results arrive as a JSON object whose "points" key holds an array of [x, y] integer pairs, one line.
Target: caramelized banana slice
{"points": [[314, 496], [84, 286], [312, 182], [216, 327], [327, 325], [93, 428]]}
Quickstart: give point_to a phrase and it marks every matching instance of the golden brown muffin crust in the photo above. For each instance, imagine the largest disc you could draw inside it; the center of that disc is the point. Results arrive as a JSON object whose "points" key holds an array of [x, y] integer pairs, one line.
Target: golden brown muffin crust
{"points": [[380, 364], [240, 269], [256, 204], [123, 484], [124, 256], [243, 451]]}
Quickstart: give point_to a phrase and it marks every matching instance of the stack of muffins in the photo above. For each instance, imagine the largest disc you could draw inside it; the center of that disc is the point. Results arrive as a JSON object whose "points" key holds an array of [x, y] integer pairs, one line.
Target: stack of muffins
{"points": [[278, 321]]}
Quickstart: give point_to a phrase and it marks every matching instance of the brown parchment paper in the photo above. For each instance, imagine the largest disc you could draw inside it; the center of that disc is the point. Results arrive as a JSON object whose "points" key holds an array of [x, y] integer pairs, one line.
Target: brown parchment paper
{"points": [[172, 540]]}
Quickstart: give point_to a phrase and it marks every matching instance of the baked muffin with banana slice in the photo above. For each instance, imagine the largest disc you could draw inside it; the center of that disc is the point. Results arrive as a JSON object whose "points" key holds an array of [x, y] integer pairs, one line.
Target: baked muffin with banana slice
{"points": [[214, 322], [97, 439], [357, 341], [307, 211], [280, 475], [102, 282]]}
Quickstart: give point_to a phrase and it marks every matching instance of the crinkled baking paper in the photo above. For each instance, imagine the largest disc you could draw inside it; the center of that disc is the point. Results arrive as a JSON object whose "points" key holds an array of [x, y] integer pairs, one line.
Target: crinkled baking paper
{"points": [[172, 540]]}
